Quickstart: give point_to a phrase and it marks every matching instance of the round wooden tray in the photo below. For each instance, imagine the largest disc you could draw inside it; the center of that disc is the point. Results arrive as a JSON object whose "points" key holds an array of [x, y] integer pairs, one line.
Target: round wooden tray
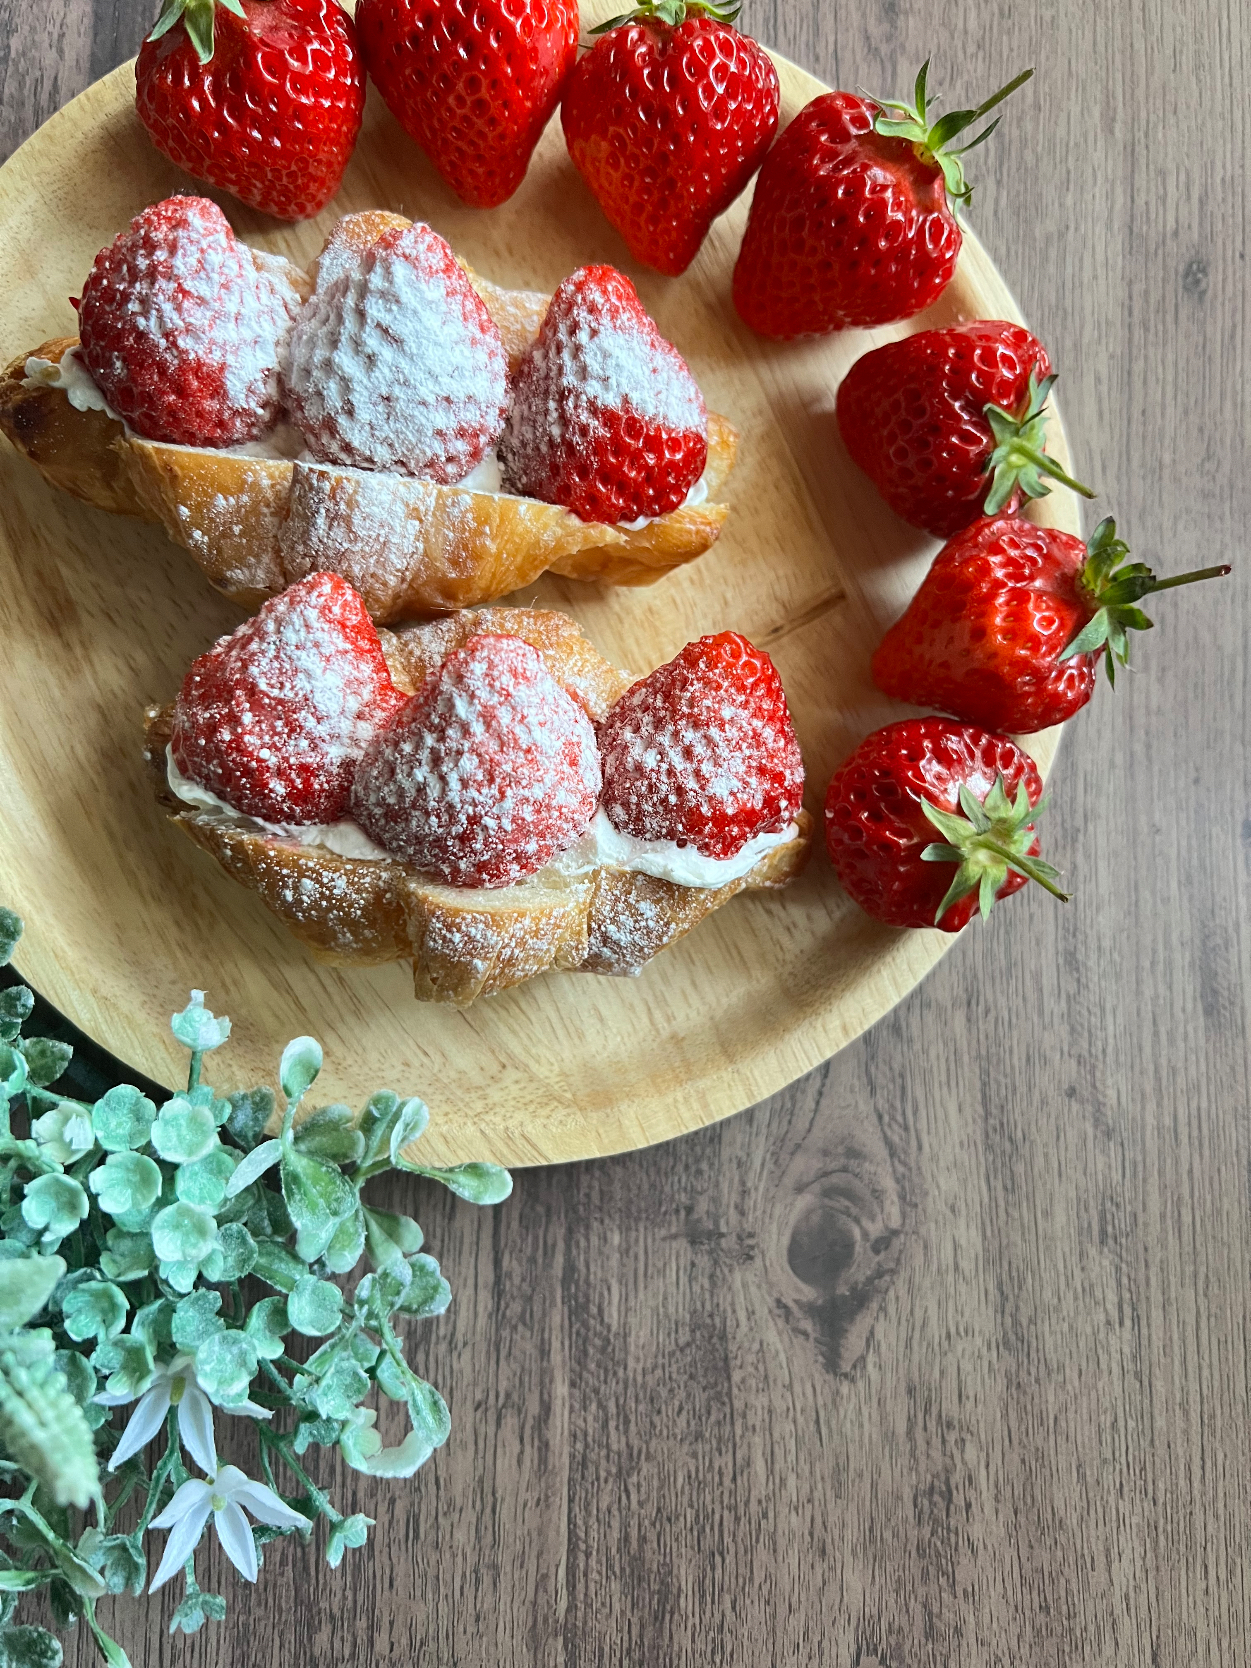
{"points": [[103, 616]]}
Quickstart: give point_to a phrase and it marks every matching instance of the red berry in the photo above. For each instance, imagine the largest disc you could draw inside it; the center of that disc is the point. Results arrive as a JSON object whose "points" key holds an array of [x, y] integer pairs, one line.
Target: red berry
{"points": [[606, 417], [274, 717], [876, 830], [667, 125], [473, 82], [489, 772], [266, 105], [850, 224], [396, 363], [1010, 621], [913, 416], [183, 327], [703, 752]]}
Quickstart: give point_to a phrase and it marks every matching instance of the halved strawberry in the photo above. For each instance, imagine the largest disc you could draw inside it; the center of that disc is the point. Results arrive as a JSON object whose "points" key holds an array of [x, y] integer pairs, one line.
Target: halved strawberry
{"points": [[489, 772], [606, 417], [396, 363], [274, 717], [702, 752], [183, 327]]}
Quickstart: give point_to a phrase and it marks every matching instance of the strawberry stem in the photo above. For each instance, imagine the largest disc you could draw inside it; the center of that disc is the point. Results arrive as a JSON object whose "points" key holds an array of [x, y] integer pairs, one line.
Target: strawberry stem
{"points": [[1111, 587], [911, 122], [197, 18], [674, 12], [985, 839], [1018, 462]]}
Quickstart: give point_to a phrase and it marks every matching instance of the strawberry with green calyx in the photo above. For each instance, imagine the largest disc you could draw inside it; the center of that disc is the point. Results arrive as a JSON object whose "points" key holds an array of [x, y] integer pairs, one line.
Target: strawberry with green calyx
{"points": [[850, 225], [980, 791], [949, 424], [1112, 591], [1007, 627], [667, 118], [262, 98]]}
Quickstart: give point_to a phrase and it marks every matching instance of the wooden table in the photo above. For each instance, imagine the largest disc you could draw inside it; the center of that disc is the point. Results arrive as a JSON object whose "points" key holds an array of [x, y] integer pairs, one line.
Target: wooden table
{"points": [[940, 1358]]}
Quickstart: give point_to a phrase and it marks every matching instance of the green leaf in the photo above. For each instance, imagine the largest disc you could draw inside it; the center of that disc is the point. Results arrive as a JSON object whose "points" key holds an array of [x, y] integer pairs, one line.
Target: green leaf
{"points": [[254, 1166], [389, 1238], [46, 1059], [29, 1647], [154, 1323], [184, 1132], [317, 1195], [122, 1119], [330, 1133], [196, 1028], [183, 1233], [481, 1184], [428, 1292], [55, 1205], [348, 1532], [95, 1310], [128, 1257], [267, 1326], [409, 1126], [250, 1111], [10, 932], [340, 1388], [346, 1243], [119, 1559], [376, 1123], [277, 1266], [314, 1307], [26, 1284], [12, 1072], [204, 1181], [301, 1062], [195, 1610], [323, 1432], [129, 1364], [16, 1005], [22, 1581], [226, 1365], [238, 1252], [196, 1320], [126, 1181]]}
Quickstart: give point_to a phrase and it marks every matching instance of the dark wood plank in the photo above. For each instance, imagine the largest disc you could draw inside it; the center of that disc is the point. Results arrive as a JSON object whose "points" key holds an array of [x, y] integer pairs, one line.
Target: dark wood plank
{"points": [[941, 1356]]}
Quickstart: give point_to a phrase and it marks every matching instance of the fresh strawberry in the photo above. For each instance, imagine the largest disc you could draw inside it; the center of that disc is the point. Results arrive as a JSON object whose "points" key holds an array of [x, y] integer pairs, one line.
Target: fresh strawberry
{"points": [[950, 423], [703, 752], [473, 82], [396, 363], [183, 327], [274, 717], [667, 118], [260, 97], [850, 224], [490, 771], [978, 791], [1009, 623], [606, 419]]}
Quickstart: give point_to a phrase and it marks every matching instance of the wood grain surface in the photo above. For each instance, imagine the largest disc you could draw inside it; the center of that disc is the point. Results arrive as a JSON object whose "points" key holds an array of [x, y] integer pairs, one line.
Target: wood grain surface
{"points": [[940, 1358]]}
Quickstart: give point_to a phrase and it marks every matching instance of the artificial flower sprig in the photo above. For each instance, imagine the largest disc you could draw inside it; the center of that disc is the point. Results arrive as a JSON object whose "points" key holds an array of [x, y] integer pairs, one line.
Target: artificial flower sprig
{"points": [[163, 1258]]}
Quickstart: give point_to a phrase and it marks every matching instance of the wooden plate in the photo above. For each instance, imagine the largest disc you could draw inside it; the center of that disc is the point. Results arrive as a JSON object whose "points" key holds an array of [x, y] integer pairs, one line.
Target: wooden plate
{"points": [[103, 616]]}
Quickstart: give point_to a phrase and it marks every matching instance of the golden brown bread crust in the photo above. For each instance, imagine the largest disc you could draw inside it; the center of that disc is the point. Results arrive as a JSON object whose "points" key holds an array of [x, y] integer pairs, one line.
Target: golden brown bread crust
{"points": [[411, 548], [468, 942]]}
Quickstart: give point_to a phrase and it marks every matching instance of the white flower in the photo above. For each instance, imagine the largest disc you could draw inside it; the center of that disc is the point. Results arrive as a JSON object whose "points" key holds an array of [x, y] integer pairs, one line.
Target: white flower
{"points": [[225, 1496], [175, 1384], [65, 1133]]}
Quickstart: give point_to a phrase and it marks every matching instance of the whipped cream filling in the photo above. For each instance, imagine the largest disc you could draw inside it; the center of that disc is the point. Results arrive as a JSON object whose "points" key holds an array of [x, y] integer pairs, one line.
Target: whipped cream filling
{"points": [[71, 375], [283, 441], [601, 847], [345, 839]]}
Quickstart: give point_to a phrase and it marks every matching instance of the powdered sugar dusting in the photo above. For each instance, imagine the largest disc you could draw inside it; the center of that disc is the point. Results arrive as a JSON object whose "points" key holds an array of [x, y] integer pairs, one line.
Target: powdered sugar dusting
{"points": [[490, 771], [184, 330], [396, 363], [274, 717]]}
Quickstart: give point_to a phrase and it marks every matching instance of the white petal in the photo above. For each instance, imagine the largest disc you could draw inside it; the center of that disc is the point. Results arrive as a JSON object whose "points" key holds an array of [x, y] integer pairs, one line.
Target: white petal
{"points": [[228, 1479], [186, 1499], [105, 1400], [266, 1506], [195, 1428], [235, 1535], [186, 1531], [145, 1421], [250, 1409]]}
